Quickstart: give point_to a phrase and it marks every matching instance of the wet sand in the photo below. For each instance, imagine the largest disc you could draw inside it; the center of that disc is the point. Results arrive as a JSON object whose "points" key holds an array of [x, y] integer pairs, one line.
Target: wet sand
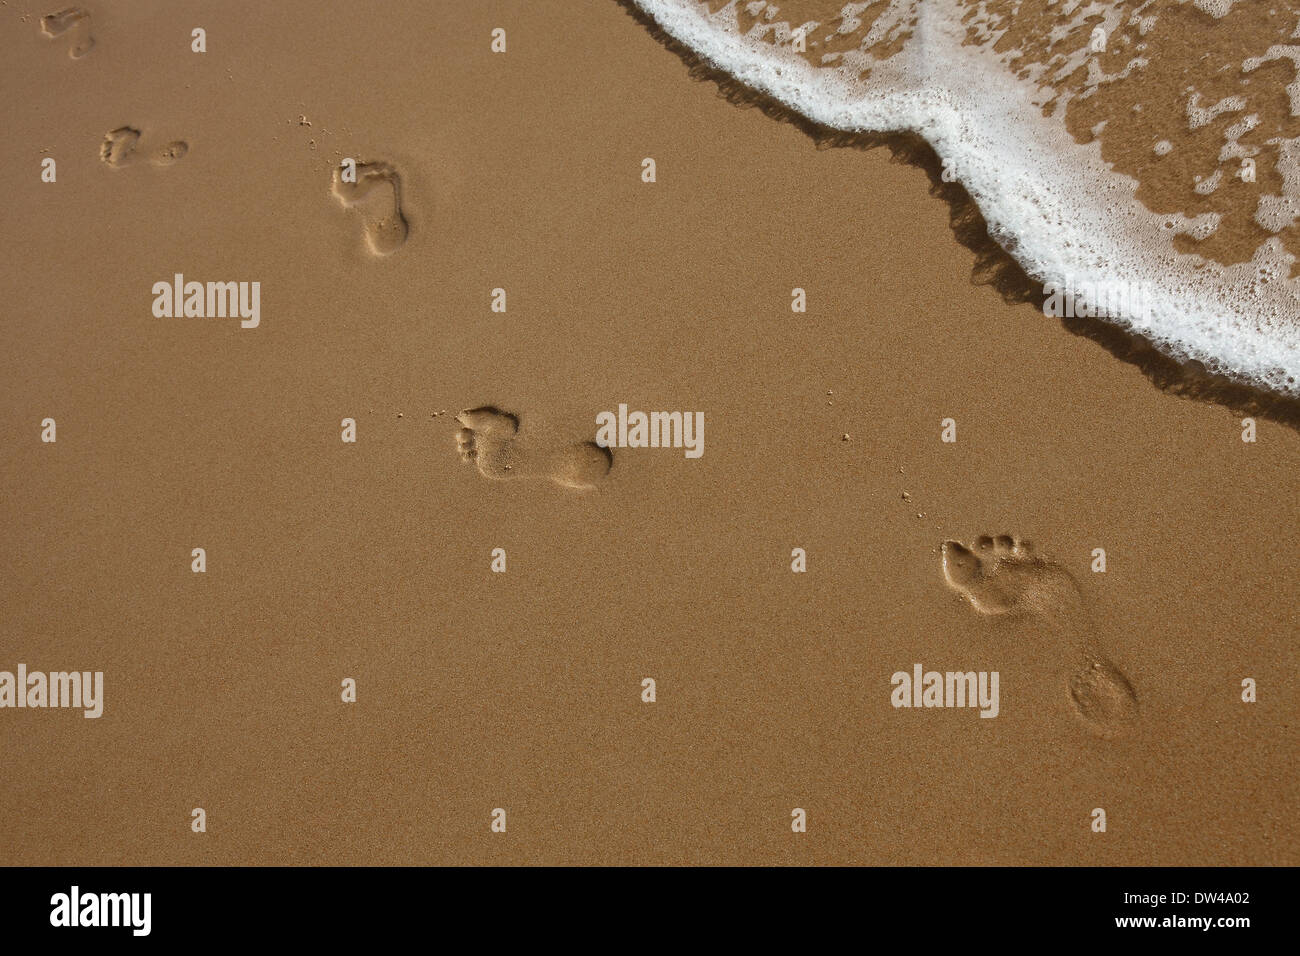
{"points": [[522, 690]]}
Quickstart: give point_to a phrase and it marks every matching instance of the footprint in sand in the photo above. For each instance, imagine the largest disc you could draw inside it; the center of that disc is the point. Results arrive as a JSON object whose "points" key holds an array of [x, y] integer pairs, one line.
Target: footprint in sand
{"points": [[118, 149], [488, 437], [76, 23], [377, 196], [1001, 575]]}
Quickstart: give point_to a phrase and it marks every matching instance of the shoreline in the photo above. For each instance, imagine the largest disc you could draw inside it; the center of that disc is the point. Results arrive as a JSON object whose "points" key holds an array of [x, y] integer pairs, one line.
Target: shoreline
{"points": [[993, 265]]}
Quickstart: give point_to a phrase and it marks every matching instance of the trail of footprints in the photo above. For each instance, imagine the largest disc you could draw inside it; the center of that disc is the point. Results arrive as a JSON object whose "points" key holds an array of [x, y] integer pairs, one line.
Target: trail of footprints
{"points": [[375, 195], [119, 146], [1003, 576], [996, 575]]}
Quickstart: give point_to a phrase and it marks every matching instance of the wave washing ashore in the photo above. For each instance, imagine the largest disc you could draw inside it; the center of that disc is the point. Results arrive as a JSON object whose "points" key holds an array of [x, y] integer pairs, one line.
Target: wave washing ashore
{"points": [[1119, 144]]}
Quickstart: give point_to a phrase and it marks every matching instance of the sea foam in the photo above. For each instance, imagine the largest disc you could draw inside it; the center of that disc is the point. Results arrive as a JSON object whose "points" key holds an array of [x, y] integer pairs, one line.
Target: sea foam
{"points": [[1054, 203]]}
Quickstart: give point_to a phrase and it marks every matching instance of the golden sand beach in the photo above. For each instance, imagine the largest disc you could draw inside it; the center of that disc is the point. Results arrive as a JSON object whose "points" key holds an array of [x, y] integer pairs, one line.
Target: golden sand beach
{"points": [[327, 560]]}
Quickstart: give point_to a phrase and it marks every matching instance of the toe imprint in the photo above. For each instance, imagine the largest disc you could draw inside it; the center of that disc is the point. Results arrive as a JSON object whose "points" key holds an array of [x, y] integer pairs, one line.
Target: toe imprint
{"points": [[118, 145], [1000, 574]]}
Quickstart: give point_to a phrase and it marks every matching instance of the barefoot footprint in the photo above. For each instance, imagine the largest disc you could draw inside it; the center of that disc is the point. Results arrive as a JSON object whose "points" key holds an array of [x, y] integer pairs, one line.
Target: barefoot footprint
{"points": [[119, 146], [118, 149], [1001, 575], [488, 437], [377, 196], [75, 22]]}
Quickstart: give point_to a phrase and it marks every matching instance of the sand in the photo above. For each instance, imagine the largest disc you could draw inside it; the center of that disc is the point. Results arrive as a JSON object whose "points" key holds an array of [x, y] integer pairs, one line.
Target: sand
{"points": [[522, 690]]}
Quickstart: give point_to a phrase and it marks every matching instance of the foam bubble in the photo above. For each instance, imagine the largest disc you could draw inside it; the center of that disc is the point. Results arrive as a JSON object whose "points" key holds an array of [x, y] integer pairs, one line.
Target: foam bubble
{"points": [[1215, 8]]}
